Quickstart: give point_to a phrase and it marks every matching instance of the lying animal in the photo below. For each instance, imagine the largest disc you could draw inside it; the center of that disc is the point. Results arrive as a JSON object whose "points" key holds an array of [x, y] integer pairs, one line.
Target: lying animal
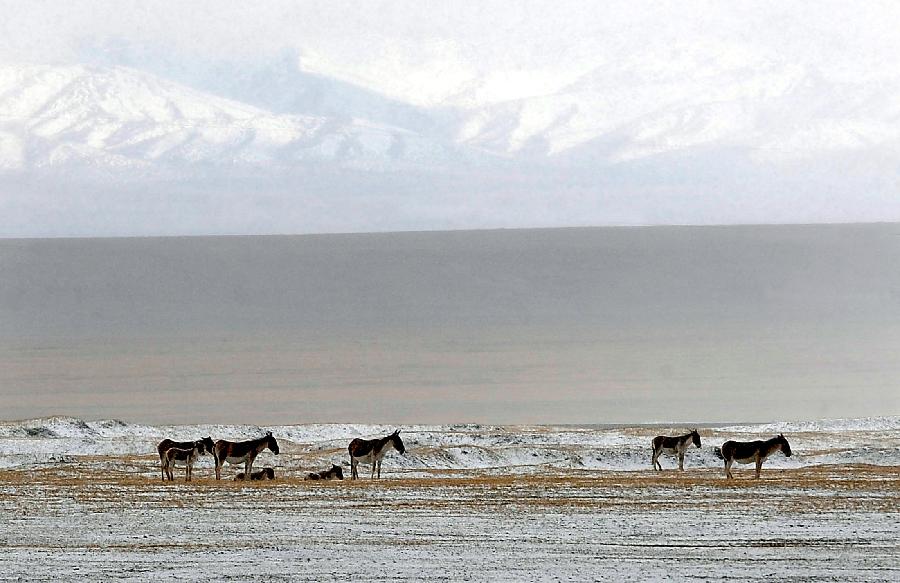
{"points": [[335, 473], [263, 474]]}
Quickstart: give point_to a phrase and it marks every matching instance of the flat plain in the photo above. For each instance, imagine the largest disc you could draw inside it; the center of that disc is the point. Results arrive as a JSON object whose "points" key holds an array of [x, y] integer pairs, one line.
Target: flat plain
{"points": [[107, 516]]}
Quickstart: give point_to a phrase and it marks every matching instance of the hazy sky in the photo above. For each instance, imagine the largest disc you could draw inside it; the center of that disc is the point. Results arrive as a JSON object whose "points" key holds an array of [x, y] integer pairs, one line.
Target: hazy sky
{"points": [[126, 117]]}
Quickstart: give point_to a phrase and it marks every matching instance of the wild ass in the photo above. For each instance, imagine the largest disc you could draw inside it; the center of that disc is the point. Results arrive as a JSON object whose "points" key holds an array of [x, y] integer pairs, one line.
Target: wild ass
{"points": [[186, 455], [242, 451], [263, 474], [673, 445], [335, 473], [372, 451], [747, 452], [167, 444]]}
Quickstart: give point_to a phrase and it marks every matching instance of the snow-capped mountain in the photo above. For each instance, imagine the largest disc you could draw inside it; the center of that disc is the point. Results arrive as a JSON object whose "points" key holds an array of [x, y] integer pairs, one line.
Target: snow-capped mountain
{"points": [[120, 118], [778, 111], [117, 117], [434, 117]]}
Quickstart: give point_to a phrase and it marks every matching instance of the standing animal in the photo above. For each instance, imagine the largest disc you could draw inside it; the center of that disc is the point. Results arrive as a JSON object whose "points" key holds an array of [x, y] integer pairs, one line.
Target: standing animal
{"points": [[185, 455], [747, 452], [335, 473], [673, 445], [166, 444], [263, 474], [372, 451], [236, 452]]}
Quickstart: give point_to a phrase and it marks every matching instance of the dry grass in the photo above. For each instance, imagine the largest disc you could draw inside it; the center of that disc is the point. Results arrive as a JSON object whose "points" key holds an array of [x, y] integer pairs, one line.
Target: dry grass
{"points": [[92, 482]]}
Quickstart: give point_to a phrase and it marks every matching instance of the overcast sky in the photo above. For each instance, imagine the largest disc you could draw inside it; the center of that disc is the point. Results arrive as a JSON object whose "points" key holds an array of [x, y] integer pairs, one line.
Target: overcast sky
{"points": [[212, 117]]}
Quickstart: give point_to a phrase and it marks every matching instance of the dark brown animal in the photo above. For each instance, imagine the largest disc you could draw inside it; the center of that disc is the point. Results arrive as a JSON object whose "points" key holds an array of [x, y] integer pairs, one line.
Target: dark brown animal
{"points": [[263, 474], [748, 452], [372, 451], [673, 445], [236, 452], [335, 473], [166, 444], [184, 455]]}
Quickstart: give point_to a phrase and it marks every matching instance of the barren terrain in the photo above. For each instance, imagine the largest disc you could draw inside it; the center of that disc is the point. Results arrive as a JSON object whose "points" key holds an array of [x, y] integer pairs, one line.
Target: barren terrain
{"points": [[107, 516]]}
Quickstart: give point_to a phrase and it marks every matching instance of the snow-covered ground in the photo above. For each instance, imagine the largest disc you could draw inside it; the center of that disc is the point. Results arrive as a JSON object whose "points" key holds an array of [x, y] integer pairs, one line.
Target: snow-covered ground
{"points": [[83, 501], [459, 447]]}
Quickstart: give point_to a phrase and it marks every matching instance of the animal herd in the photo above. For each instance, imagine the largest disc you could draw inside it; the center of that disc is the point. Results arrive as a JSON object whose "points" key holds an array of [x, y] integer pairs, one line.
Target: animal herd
{"points": [[372, 451], [742, 452]]}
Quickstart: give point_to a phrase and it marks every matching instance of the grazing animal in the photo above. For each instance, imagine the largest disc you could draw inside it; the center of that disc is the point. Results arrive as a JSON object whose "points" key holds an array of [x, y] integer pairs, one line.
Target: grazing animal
{"points": [[236, 452], [673, 445], [747, 452], [166, 444], [185, 455], [372, 451], [335, 473], [263, 474]]}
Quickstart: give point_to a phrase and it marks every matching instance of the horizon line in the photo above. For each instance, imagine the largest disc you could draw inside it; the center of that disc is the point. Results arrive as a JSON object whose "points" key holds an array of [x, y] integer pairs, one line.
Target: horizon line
{"points": [[451, 230]]}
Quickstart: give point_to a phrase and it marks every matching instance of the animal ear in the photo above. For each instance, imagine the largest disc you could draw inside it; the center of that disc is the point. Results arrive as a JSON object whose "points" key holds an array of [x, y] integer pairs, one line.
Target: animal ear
{"points": [[268, 434]]}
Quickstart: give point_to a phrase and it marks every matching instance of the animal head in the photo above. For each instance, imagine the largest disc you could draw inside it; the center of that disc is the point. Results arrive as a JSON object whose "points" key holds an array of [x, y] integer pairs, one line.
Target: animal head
{"points": [[268, 473], [208, 445], [785, 446], [695, 437], [398, 443], [200, 446], [271, 443], [337, 471]]}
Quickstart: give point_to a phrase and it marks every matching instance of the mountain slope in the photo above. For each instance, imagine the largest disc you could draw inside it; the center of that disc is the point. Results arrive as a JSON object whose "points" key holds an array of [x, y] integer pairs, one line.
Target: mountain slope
{"points": [[114, 117]]}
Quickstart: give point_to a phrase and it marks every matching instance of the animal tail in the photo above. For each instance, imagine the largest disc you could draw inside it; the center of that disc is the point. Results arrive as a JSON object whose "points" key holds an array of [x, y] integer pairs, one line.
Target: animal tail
{"points": [[718, 452]]}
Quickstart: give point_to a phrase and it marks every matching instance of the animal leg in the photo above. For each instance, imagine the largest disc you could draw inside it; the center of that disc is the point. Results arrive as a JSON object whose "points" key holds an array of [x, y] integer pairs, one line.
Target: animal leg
{"points": [[373, 469], [353, 473], [681, 461], [728, 469], [655, 461], [379, 469], [758, 467]]}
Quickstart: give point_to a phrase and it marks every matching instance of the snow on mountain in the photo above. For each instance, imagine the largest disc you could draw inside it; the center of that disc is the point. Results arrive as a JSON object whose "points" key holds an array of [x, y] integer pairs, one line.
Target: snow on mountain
{"points": [[478, 119], [116, 117], [277, 114], [778, 111]]}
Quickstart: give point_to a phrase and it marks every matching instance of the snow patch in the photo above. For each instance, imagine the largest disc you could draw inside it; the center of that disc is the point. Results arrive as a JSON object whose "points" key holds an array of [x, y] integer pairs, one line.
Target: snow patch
{"points": [[873, 440]]}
